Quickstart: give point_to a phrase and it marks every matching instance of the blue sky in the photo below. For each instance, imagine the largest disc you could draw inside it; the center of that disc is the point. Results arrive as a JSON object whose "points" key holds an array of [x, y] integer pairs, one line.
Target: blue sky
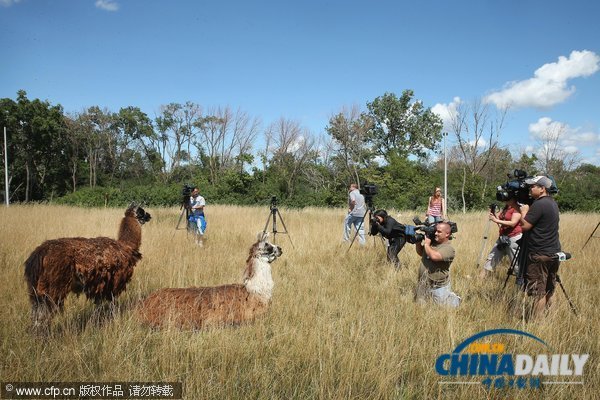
{"points": [[306, 60]]}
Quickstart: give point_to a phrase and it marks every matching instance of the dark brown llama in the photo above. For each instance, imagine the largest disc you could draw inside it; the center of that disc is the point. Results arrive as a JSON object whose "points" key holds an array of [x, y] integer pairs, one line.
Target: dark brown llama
{"points": [[99, 267]]}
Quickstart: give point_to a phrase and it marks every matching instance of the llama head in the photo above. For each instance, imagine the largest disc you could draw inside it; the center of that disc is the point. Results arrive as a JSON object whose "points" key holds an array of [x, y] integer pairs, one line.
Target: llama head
{"points": [[263, 249], [138, 213], [257, 275]]}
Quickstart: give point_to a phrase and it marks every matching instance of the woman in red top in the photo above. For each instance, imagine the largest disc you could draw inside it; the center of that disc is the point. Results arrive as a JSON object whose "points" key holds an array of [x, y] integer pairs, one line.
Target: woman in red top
{"points": [[510, 231]]}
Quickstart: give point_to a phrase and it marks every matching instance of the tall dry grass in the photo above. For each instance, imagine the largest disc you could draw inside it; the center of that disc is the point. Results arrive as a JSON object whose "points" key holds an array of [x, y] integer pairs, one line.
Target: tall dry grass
{"points": [[342, 324]]}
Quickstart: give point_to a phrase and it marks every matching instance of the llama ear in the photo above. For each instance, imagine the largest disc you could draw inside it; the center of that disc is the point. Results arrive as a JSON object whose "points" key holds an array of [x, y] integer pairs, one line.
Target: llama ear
{"points": [[262, 236], [131, 206]]}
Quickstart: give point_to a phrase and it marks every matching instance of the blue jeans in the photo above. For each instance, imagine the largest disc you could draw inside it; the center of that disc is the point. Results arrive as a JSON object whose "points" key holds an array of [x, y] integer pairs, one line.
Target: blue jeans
{"points": [[359, 226], [197, 223], [431, 219], [445, 296]]}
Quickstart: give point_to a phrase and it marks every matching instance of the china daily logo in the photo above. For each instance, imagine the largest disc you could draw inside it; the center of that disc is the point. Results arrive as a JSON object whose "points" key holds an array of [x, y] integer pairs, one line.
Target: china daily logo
{"points": [[500, 368]]}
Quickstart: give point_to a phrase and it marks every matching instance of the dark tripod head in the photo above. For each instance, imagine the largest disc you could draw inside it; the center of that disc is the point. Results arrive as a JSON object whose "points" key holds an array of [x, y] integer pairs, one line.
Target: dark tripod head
{"points": [[274, 204]]}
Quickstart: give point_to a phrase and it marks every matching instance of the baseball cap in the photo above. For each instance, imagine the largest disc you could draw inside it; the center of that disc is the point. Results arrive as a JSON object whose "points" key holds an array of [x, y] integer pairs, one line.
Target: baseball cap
{"points": [[539, 180]]}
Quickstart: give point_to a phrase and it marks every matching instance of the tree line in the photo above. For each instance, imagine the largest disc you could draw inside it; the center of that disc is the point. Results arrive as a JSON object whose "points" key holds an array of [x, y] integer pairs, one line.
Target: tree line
{"points": [[98, 157]]}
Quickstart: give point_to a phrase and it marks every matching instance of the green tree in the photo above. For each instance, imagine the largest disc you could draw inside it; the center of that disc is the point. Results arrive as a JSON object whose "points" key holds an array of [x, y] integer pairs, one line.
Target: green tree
{"points": [[401, 126], [37, 137], [349, 129]]}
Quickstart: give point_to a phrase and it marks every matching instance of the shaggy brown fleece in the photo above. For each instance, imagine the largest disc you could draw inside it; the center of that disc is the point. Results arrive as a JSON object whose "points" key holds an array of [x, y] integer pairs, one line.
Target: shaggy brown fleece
{"points": [[99, 267]]}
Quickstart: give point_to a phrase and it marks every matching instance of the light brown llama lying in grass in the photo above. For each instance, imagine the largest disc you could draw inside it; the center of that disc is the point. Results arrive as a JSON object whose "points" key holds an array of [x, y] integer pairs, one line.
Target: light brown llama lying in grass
{"points": [[204, 307], [99, 267]]}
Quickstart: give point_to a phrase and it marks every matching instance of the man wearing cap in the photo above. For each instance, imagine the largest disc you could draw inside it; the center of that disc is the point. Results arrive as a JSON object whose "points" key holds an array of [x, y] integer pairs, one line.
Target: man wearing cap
{"points": [[540, 224]]}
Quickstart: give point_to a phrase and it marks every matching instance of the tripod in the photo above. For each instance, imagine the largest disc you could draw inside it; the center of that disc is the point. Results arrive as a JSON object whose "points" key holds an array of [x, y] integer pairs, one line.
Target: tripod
{"points": [[520, 259], [273, 214], [369, 211], [519, 263], [185, 209], [485, 234], [360, 225]]}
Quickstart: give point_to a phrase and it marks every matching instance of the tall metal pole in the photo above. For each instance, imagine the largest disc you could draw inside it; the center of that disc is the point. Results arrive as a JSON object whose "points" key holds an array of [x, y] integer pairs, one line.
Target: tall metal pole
{"points": [[445, 176], [5, 170]]}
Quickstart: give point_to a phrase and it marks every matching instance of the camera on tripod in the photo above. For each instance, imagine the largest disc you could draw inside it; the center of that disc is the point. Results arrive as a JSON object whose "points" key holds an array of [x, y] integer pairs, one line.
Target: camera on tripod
{"points": [[369, 190], [186, 193], [428, 230], [273, 202]]}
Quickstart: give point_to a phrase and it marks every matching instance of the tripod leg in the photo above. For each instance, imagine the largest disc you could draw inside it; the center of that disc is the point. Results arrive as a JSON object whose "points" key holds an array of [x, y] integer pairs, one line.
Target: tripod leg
{"points": [[591, 235], [180, 217], [513, 264], [358, 228], [484, 241], [284, 227], [266, 224], [566, 295]]}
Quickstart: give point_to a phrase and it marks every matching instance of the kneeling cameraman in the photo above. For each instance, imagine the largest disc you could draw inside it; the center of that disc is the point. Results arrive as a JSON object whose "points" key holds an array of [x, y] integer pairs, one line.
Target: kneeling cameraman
{"points": [[434, 273], [392, 230]]}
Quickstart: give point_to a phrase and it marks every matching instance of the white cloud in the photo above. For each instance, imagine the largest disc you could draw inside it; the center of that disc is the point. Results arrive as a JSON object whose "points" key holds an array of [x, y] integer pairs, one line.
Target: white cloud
{"points": [[544, 128], [296, 144], [548, 86], [570, 149], [481, 143], [107, 5], [8, 3], [446, 112], [570, 139]]}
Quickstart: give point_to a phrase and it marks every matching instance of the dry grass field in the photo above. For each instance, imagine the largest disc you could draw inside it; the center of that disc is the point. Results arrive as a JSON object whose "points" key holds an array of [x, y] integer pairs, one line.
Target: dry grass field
{"points": [[341, 325]]}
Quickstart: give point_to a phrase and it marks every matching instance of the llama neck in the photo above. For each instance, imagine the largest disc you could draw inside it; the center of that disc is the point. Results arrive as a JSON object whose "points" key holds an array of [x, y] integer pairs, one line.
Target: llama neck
{"points": [[261, 282], [130, 233]]}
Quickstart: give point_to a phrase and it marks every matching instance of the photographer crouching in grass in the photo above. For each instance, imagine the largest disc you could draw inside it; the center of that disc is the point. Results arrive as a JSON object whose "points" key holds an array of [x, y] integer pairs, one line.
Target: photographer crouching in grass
{"points": [[392, 230], [434, 273]]}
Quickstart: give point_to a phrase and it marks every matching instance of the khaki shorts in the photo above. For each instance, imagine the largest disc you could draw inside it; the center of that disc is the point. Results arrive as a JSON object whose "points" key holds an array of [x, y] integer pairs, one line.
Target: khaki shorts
{"points": [[541, 275]]}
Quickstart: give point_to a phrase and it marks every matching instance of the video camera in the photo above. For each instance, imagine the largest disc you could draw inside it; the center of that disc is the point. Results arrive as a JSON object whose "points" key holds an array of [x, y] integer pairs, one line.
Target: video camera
{"points": [[369, 190], [273, 202], [518, 189], [186, 193], [515, 188], [427, 229]]}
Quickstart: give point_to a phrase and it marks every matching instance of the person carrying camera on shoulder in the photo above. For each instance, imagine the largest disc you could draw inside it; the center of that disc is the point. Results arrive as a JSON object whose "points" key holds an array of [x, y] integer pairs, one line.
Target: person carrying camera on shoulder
{"points": [[509, 222], [197, 204], [540, 223], [393, 231], [434, 272]]}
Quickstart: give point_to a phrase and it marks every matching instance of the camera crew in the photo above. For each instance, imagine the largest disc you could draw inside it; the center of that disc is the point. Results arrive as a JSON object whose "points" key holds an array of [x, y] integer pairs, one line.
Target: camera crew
{"points": [[392, 230], [434, 272], [540, 224], [197, 204], [509, 222]]}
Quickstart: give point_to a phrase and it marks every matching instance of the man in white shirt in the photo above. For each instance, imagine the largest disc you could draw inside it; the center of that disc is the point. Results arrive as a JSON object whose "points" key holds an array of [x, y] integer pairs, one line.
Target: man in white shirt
{"points": [[356, 213]]}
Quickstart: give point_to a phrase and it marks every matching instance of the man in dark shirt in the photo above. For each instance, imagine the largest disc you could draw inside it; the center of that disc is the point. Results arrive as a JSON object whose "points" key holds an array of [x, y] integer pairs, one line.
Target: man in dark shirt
{"points": [[540, 222], [392, 230]]}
